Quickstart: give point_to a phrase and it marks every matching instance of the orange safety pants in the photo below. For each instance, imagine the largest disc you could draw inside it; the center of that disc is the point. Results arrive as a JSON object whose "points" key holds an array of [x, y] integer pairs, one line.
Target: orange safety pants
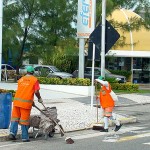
{"points": [[108, 111], [21, 115]]}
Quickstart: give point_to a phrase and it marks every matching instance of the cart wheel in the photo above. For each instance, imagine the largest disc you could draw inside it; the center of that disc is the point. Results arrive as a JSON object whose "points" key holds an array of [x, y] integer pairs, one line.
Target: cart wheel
{"points": [[51, 134]]}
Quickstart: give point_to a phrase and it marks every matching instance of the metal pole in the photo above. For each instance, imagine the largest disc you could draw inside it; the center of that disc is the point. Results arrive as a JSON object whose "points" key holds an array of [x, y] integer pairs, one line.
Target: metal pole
{"points": [[103, 38], [81, 58], [1, 27], [93, 58], [92, 86]]}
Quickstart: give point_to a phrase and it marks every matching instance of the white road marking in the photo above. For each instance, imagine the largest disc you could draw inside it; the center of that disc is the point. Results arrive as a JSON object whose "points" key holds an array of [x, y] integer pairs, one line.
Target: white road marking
{"points": [[147, 143], [17, 143], [111, 134], [127, 138], [85, 136], [11, 144]]}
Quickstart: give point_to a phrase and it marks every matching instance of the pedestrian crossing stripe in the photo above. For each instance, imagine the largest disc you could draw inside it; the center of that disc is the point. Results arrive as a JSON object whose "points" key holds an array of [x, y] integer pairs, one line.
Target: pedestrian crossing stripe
{"points": [[133, 137], [90, 135], [146, 143]]}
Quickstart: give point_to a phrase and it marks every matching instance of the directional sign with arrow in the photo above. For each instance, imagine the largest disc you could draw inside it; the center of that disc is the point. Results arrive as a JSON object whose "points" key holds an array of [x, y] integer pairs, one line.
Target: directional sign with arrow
{"points": [[111, 37]]}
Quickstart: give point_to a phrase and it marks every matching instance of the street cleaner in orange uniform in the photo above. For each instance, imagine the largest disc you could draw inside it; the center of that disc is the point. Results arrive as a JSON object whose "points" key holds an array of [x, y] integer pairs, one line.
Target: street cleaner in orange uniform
{"points": [[22, 104], [107, 105]]}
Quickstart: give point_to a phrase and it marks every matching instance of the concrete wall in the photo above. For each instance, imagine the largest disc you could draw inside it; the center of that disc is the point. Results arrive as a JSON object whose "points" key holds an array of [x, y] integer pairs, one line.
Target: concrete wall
{"points": [[79, 90]]}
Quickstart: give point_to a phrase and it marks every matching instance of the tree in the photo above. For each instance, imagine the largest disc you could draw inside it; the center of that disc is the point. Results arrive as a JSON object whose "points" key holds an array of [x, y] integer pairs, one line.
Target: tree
{"points": [[43, 28], [36, 25]]}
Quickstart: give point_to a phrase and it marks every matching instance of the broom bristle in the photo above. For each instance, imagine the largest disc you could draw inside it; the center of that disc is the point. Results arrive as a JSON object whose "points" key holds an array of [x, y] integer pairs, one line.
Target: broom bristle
{"points": [[98, 128], [69, 140]]}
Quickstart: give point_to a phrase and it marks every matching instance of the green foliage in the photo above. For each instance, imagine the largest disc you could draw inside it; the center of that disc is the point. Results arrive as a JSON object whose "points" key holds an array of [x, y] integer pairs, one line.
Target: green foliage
{"points": [[87, 82], [67, 81], [8, 91], [121, 72], [125, 86], [44, 28], [111, 80], [64, 56], [36, 26]]}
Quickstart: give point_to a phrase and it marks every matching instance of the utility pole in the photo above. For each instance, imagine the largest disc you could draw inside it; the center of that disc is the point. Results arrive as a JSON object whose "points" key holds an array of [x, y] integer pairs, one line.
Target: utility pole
{"points": [[1, 27], [103, 38]]}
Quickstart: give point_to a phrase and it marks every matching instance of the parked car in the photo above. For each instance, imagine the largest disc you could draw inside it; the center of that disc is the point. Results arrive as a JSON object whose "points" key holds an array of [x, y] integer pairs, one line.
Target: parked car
{"points": [[97, 73], [51, 71], [23, 68], [8, 72], [46, 71]]}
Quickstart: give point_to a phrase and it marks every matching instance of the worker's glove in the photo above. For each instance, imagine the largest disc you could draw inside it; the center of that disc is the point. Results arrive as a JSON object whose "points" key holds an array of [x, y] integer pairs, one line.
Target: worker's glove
{"points": [[97, 98], [33, 104], [40, 100]]}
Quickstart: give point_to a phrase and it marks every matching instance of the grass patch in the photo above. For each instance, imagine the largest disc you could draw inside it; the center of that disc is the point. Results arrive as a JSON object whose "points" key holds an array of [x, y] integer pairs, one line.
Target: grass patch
{"points": [[128, 92]]}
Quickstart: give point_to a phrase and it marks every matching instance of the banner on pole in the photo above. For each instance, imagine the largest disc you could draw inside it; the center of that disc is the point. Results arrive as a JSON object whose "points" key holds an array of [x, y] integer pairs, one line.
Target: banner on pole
{"points": [[86, 18]]}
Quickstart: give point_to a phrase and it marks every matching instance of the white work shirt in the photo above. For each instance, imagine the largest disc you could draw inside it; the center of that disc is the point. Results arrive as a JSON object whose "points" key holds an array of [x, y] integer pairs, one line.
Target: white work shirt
{"points": [[104, 83]]}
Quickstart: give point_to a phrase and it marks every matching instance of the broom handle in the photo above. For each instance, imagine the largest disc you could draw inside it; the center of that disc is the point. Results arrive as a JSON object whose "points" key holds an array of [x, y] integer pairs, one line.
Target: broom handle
{"points": [[44, 106], [96, 102], [49, 117]]}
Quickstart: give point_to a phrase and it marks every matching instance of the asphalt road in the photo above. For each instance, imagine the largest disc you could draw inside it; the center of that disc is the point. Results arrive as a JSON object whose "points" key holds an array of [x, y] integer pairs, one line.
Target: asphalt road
{"points": [[130, 137]]}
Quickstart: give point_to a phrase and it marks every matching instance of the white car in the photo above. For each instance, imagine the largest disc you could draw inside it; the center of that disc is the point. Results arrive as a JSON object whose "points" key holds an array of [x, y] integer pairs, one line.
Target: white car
{"points": [[46, 71], [51, 71], [8, 72], [23, 68]]}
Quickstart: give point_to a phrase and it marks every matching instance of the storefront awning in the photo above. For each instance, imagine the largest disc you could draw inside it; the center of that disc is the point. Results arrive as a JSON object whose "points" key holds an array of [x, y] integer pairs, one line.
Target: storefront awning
{"points": [[127, 53]]}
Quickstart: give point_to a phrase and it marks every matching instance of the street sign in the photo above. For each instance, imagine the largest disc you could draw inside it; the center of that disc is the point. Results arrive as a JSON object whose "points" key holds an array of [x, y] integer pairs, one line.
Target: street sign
{"points": [[111, 37]]}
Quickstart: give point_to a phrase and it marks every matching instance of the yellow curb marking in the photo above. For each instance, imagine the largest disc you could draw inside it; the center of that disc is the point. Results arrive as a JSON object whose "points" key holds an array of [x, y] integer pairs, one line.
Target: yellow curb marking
{"points": [[3, 134], [133, 137]]}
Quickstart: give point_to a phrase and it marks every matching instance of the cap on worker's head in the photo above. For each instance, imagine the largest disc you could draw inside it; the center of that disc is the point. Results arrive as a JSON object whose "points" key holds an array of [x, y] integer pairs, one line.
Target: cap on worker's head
{"points": [[101, 78], [30, 69]]}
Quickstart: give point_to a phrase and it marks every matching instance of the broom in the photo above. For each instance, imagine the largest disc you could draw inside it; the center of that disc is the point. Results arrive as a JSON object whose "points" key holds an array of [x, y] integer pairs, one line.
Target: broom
{"points": [[67, 139], [97, 126]]}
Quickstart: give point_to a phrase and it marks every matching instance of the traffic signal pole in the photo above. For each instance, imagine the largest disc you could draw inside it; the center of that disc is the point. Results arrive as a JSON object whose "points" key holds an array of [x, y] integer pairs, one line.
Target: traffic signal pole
{"points": [[103, 38]]}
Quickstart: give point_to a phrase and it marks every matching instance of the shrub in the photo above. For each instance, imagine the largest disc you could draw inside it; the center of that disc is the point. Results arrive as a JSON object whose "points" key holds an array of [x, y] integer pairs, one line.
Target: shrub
{"points": [[67, 81], [8, 91], [87, 82], [121, 72], [111, 80], [125, 86]]}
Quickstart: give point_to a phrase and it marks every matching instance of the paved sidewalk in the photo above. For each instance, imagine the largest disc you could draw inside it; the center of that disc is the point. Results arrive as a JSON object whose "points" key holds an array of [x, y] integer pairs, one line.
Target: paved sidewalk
{"points": [[73, 113]]}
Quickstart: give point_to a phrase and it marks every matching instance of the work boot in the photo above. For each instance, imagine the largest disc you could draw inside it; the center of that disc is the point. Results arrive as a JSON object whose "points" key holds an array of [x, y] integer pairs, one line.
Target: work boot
{"points": [[104, 130], [26, 140], [117, 127], [11, 137]]}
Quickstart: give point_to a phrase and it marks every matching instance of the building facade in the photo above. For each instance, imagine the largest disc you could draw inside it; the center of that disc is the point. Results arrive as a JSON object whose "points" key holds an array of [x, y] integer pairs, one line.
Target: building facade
{"points": [[134, 55]]}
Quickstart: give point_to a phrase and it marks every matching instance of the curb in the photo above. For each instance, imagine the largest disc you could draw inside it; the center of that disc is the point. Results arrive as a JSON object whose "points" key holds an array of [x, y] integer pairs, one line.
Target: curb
{"points": [[126, 105]]}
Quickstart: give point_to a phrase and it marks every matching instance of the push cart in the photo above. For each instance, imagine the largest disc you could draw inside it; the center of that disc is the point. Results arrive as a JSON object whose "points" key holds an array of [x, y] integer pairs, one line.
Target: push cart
{"points": [[42, 124]]}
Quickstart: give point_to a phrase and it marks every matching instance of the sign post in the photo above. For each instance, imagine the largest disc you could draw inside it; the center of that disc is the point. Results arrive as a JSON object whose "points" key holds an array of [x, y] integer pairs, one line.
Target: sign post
{"points": [[85, 25], [103, 38]]}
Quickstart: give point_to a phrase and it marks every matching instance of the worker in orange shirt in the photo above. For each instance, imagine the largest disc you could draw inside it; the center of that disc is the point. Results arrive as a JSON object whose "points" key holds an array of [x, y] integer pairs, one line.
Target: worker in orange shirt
{"points": [[28, 85], [107, 104]]}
